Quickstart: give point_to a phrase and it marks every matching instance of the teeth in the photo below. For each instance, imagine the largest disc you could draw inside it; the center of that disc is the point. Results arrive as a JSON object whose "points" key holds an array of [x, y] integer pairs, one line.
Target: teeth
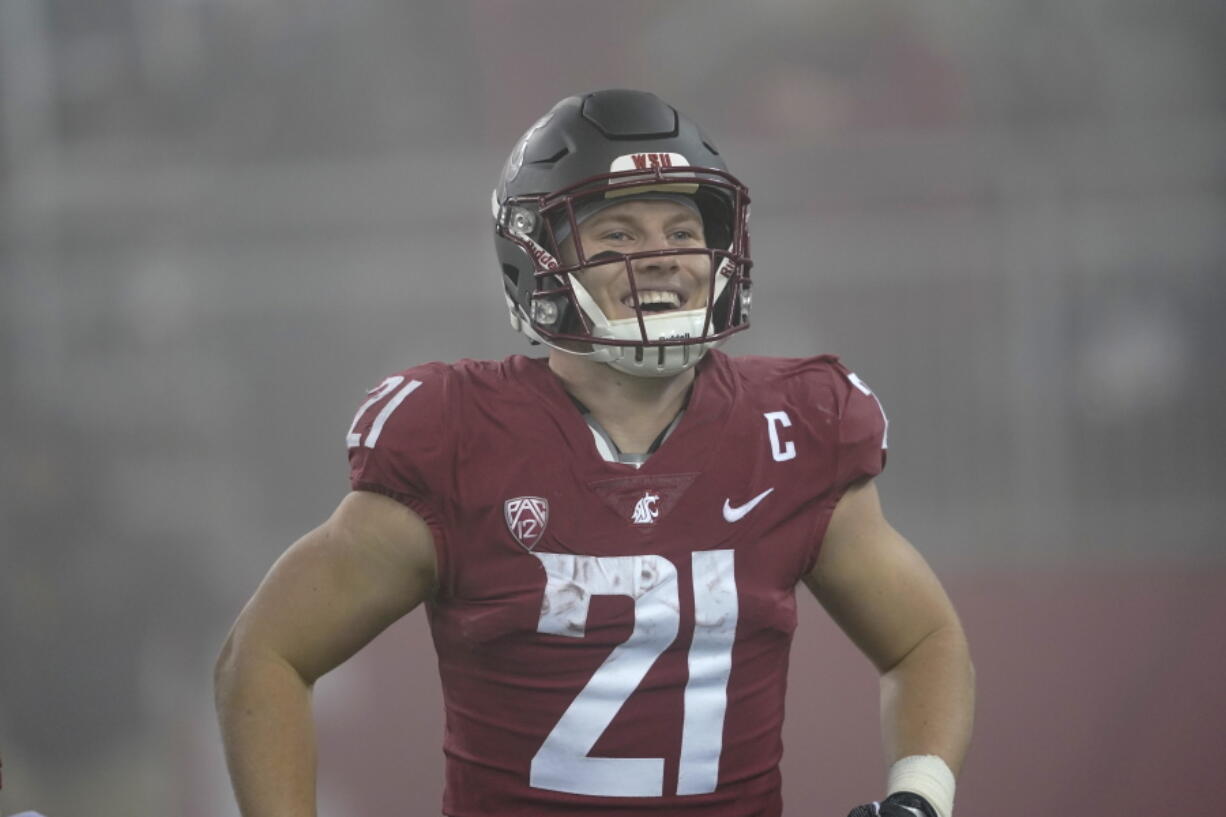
{"points": [[654, 296]]}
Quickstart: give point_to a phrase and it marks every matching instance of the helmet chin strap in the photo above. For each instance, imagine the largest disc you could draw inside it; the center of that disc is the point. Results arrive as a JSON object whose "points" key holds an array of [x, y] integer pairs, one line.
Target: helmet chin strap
{"points": [[645, 360], [520, 323]]}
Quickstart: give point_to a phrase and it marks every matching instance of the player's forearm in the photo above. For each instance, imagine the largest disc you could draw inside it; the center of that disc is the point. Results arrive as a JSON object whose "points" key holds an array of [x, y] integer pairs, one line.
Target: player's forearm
{"points": [[264, 708], [928, 700]]}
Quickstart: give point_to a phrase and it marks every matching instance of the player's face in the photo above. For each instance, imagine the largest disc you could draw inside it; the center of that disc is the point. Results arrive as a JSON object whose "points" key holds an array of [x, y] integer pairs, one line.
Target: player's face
{"points": [[664, 283]]}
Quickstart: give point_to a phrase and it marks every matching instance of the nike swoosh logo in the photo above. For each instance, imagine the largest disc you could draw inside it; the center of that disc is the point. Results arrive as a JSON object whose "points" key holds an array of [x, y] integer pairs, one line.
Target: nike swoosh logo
{"points": [[734, 514]]}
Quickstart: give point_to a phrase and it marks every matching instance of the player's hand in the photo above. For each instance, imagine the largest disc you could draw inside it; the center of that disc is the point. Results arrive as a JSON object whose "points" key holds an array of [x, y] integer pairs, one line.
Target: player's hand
{"points": [[901, 804]]}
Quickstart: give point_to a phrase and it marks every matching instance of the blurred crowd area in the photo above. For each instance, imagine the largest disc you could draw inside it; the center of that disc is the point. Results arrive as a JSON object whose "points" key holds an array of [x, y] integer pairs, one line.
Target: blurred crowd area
{"points": [[222, 221]]}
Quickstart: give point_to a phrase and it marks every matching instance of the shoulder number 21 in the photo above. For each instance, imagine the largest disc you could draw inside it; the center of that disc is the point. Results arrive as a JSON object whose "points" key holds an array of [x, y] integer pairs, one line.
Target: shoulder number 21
{"points": [[353, 439]]}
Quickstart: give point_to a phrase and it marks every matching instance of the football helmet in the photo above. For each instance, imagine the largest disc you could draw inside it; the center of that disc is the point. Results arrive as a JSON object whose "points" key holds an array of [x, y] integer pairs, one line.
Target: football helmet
{"points": [[591, 151]]}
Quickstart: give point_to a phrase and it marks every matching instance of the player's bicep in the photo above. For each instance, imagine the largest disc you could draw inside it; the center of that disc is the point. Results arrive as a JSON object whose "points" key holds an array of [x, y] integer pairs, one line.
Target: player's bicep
{"points": [[874, 583], [340, 585]]}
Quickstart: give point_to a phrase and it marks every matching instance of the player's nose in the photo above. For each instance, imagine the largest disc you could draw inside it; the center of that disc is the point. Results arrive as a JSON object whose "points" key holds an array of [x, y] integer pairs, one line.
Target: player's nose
{"points": [[656, 263]]}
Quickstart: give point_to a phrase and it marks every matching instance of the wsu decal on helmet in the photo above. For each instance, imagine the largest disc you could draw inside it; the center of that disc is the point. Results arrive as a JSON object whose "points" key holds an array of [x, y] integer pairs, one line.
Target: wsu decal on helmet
{"points": [[647, 161], [526, 518]]}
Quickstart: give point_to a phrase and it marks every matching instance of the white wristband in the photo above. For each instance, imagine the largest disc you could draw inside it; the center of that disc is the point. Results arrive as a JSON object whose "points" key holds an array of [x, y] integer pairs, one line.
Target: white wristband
{"points": [[925, 775]]}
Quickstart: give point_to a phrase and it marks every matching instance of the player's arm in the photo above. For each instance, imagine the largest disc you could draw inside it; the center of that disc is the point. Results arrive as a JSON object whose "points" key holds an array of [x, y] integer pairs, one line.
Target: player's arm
{"points": [[882, 593], [328, 595]]}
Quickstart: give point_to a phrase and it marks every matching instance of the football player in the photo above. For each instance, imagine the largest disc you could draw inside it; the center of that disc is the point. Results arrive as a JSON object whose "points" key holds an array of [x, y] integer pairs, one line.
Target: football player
{"points": [[608, 538]]}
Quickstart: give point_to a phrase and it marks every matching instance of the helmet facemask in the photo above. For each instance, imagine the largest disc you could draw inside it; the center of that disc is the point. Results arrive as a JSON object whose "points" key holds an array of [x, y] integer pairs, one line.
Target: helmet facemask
{"points": [[562, 312]]}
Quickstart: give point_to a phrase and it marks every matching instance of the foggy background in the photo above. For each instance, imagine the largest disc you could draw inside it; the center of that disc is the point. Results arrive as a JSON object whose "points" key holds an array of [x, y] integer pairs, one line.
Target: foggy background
{"points": [[221, 221]]}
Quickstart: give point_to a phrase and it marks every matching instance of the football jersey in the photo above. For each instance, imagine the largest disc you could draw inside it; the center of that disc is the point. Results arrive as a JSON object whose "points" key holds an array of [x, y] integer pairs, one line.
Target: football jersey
{"points": [[614, 640]]}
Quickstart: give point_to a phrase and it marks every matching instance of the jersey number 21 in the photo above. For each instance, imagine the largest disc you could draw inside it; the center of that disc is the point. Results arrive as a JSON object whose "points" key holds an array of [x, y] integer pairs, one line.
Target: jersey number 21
{"points": [[563, 762]]}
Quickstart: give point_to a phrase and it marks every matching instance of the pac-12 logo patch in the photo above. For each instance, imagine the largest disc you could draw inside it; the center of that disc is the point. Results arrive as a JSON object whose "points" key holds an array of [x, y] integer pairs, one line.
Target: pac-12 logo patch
{"points": [[526, 518]]}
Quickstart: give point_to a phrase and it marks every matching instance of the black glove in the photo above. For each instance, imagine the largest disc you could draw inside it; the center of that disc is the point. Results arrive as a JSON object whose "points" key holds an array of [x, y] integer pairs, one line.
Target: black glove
{"points": [[899, 804]]}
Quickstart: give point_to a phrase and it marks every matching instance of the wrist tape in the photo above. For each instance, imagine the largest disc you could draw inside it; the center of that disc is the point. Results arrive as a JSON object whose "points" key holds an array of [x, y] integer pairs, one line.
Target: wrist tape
{"points": [[925, 775]]}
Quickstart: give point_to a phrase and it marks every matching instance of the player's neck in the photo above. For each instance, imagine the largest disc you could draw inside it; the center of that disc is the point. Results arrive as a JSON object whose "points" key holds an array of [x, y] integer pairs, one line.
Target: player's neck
{"points": [[632, 410]]}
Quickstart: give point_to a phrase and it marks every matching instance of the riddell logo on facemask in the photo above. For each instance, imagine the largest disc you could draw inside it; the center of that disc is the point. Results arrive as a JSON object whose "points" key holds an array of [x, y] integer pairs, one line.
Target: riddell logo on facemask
{"points": [[543, 259]]}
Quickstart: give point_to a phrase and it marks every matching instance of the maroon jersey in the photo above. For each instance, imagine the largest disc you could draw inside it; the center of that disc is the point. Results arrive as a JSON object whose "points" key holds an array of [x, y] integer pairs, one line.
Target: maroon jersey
{"points": [[614, 640]]}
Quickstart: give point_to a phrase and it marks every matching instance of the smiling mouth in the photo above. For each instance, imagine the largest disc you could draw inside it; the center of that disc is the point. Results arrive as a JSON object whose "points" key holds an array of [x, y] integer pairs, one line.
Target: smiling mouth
{"points": [[654, 300]]}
